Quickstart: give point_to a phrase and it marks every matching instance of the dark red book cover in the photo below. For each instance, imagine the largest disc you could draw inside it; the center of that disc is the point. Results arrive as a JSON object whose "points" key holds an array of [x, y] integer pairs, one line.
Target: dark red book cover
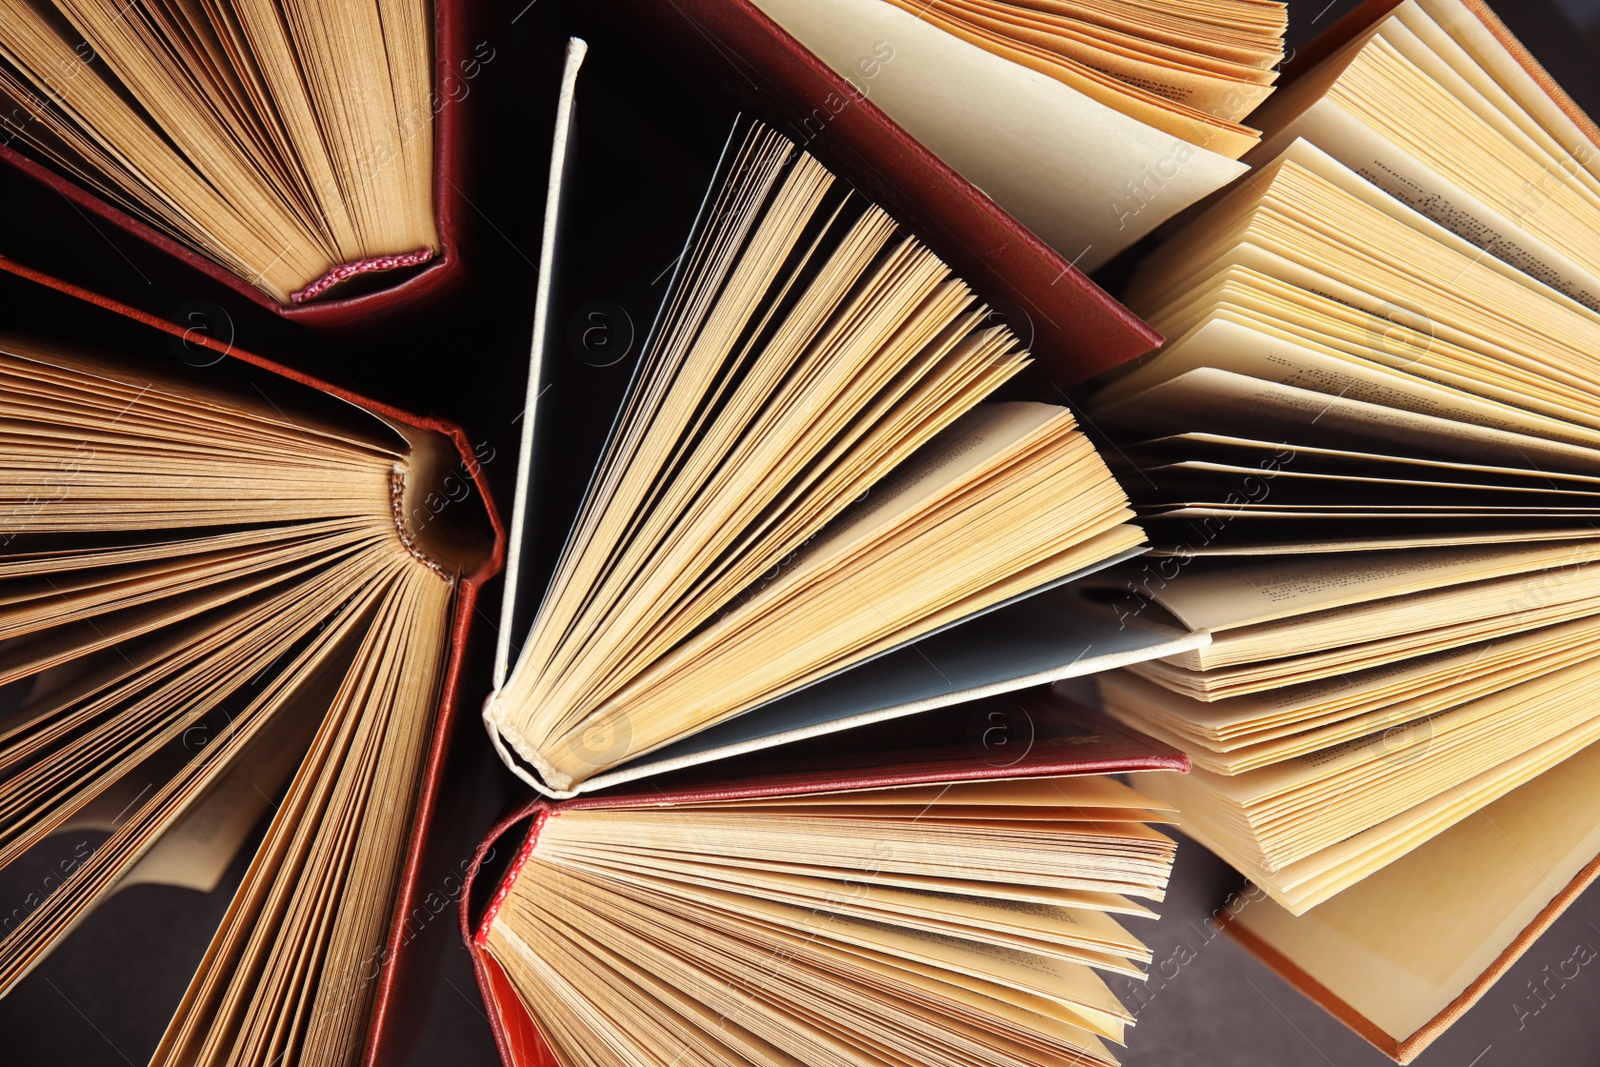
{"points": [[1073, 328]]}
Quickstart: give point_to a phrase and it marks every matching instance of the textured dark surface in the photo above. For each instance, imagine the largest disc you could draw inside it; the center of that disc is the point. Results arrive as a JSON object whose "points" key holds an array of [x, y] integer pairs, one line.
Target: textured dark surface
{"points": [[105, 995]]}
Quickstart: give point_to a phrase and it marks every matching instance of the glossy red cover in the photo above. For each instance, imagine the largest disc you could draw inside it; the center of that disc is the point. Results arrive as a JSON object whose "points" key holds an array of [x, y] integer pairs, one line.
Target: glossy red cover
{"points": [[1077, 330], [444, 270], [1066, 739], [394, 973]]}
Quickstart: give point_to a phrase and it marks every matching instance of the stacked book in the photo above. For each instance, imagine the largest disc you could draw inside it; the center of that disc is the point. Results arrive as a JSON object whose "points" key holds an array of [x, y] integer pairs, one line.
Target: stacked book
{"points": [[1367, 461], [789, 593]]}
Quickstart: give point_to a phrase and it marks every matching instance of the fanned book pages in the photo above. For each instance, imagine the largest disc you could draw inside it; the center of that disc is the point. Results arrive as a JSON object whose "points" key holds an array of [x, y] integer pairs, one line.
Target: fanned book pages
{"points": [[923, 902], [804, 478], [1369, 461], [293, 145], [230, 609], [1404, 953], [1137, 109], [1432, 102]]}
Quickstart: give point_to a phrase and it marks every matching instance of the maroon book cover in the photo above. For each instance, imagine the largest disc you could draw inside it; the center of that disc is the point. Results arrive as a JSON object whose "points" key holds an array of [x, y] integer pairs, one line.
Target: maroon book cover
{"points": [[1076, 329]]}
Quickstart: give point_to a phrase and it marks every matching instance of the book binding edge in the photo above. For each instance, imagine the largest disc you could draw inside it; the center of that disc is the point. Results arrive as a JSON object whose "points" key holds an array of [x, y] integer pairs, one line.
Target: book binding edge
{"points": [[1406, 1049], [370, 265]]}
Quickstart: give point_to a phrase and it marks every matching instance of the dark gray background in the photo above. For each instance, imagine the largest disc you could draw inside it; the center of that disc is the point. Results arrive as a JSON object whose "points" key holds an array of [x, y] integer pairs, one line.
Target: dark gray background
{"points": [[104, 997]]}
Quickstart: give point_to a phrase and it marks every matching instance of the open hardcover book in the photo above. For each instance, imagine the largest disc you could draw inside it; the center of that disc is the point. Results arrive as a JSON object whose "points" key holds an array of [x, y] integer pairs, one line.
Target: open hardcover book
{"points": [[1092, 122], [808, 515], [1402, 955], [232, 611], [927, 899], [301, 154], [1435, 103], [1369, 461], [806, 524]]}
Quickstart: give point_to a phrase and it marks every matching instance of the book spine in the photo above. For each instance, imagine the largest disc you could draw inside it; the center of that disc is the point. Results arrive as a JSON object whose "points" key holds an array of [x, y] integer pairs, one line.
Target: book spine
{"points": [[370, 265], [481, 938]]}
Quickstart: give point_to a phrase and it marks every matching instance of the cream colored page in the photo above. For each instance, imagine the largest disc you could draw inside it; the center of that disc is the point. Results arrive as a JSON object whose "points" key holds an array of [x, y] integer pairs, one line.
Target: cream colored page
{"points": [[1306, 883], [1401, 945], [1225, 402], [1110, 903], [971, 443], [948, 913], [1439, 687], [1420, 187], [1070, 984], [1256, 591], [1239, 347], [1421, 40], [821, 944], [1362, 636], [1087, 179], [1470, 32], [1283, 722], [1036, 921], [1084, 911], [1316, 159], [1371, 773]]}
